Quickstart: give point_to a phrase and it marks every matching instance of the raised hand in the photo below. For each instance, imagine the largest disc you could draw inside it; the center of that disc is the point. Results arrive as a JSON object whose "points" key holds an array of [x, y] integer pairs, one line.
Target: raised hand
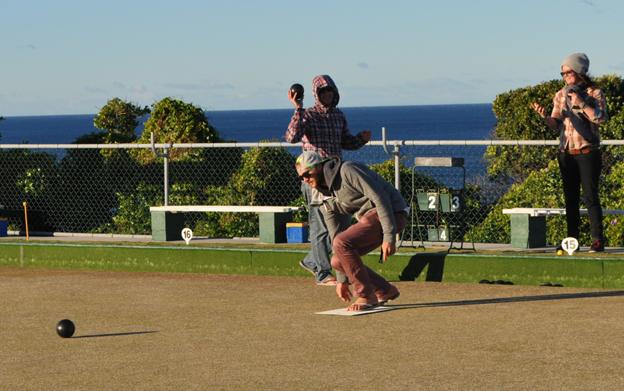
{"points": [[539, 109], [365, 135]]}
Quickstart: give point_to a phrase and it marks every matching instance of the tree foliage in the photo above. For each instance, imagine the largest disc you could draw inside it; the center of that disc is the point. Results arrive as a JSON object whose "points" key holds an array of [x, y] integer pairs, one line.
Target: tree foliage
{"points": [[119, 119], [175, 121]]}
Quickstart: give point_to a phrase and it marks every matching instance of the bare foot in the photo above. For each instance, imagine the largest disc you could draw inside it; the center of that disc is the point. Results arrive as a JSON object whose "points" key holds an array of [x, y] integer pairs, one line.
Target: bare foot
{"points": [[392, 294], [363, 304]]}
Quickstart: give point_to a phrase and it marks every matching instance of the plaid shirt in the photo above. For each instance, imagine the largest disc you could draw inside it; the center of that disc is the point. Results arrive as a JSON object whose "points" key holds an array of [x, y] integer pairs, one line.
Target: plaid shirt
{"points": [[325, 133], [570, 138], [322, 129]]}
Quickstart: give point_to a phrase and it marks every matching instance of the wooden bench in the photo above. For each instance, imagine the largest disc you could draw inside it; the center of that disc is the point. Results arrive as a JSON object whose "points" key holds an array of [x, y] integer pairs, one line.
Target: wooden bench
{"points": [[168, 221], [528, 225]]}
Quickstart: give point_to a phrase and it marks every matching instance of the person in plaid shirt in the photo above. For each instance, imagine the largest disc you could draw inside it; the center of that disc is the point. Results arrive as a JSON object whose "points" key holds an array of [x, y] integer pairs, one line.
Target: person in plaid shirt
{"points": [[321, 128], [578, 110]]}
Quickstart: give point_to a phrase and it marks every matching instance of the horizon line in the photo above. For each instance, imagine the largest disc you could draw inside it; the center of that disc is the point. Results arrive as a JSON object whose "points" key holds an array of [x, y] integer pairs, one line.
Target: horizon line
{"points": [[6, 116]]}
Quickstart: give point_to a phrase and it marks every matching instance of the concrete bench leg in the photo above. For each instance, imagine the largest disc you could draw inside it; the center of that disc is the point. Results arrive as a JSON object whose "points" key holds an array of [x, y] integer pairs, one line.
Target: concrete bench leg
{"points": [[167, 226], [528, 231], [273, 227]]}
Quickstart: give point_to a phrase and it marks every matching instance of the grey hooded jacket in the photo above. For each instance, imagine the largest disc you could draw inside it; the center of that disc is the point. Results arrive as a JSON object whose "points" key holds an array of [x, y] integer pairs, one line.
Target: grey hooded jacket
{"points": [[354, 190]]}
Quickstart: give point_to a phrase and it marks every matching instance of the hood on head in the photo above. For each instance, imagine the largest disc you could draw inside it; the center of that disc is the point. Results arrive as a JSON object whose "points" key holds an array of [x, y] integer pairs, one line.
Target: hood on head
{"points": [[331, 168], [324, 81]]}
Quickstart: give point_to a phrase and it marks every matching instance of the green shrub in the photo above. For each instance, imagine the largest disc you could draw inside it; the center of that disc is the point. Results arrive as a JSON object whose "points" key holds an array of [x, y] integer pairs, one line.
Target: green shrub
{"points": [[133, 214], [614, 225], [27, 176], [266, 176], [175, 121]]}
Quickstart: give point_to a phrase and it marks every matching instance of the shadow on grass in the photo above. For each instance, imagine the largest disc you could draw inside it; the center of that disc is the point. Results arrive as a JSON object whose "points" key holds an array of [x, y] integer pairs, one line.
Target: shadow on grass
{"points": [[417, 264], [115, 334], [518, 299]]}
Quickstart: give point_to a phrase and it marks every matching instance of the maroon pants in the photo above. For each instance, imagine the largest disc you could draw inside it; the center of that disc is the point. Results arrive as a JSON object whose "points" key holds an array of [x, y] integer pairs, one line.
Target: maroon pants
{"points": [[357, 240]]}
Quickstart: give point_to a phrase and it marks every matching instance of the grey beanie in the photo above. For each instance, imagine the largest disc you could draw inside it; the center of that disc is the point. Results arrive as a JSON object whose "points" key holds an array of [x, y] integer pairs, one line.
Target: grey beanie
{"points": [[578, 62]]}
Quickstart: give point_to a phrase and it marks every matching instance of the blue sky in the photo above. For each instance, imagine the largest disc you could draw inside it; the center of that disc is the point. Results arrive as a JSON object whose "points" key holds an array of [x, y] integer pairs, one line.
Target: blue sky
{"points": [[70, 57]]}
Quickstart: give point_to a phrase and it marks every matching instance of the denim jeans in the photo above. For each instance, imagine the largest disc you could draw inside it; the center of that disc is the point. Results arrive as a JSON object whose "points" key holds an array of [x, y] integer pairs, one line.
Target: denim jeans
{"points": [[318, 257]]}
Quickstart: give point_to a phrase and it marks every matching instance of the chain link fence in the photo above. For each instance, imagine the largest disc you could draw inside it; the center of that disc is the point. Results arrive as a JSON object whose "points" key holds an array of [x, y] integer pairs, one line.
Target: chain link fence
{"points": [[109, 188]]}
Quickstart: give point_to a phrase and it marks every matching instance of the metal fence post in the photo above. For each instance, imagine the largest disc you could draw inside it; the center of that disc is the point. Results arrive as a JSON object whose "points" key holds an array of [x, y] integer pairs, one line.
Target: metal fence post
{"points": [[397, 157], [165, 156], [397, 168], [166, 174]]}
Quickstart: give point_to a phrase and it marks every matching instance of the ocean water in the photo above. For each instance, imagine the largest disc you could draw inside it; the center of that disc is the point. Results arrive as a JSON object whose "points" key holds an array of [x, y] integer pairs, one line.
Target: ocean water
{"points": [[435, 122]]}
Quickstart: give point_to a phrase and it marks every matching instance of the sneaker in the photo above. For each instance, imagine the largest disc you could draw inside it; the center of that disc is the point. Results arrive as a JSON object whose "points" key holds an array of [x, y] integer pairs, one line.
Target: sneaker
{"points": [[596, 246], [327, 280], [303, 265]]}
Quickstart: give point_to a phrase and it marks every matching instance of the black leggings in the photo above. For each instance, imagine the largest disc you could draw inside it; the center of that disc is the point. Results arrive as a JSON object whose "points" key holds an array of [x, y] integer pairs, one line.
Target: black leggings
{"points": [[582, 171]]}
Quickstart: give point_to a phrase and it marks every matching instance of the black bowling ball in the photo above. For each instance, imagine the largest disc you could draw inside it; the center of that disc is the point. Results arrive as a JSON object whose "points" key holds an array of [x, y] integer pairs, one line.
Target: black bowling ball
{"points": [[297, 90], [65, 328]]}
